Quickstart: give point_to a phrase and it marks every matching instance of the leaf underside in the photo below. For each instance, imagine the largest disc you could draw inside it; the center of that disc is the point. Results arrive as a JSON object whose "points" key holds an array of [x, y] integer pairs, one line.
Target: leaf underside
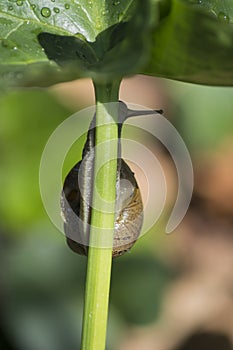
{"points": [[55, 41], [194, 43], [51, 41]]}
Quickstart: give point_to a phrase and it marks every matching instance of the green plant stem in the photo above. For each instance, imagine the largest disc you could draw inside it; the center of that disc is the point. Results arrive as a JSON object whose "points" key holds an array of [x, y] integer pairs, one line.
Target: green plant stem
{"points": [[100, 259]]}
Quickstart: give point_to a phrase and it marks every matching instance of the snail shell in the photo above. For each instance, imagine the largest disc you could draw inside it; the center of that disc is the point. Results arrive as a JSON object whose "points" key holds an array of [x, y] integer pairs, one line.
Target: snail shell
{"points": [[128, 220]]}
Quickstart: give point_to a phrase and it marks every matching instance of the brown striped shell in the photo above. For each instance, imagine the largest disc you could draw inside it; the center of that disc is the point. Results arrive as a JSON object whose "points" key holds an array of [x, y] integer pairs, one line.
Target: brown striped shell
{"points": [[128, 220]]}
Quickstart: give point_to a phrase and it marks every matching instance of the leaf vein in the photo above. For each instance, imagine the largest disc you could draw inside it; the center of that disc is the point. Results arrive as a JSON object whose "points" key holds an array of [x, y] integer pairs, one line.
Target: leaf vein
{"points": [[13, 30]]}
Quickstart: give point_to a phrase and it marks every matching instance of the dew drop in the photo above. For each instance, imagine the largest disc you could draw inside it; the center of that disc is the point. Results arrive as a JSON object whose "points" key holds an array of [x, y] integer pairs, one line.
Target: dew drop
{"points": [[67, 6], [56, 9], [10, 8], [33, 6], [9, 44], [19, 2], [45, 12], [116, 3], [198, 2], [53, 0], [105, 12], [98, 25], [90, 3], [223, 17]]}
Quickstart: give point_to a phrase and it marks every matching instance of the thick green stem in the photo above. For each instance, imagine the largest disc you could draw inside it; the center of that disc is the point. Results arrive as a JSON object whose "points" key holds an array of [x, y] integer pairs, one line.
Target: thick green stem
{"points": [[99, 258]]}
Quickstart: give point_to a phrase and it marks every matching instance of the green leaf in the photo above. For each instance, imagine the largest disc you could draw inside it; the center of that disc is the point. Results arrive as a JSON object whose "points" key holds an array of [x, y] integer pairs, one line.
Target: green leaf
{"points": [[55, 41], [223, 9], [194, 43], [45, 42]]}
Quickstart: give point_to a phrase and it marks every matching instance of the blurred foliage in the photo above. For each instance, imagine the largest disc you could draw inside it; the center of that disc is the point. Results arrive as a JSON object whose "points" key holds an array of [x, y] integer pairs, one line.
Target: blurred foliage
{"points": [[138, 283], [203, 115], [41, 299], [27, 120]]}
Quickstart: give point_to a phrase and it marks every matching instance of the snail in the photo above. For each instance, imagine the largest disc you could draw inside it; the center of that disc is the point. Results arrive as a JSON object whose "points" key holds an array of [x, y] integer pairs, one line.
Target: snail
{"points": [[78, 185]]}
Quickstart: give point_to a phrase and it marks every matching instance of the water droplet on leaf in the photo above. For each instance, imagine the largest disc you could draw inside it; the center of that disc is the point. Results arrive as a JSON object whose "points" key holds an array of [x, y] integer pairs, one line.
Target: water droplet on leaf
{"points": [[45, 12], [98, 25], [19, 2], [8, 44], [67, 6], [223, 17], [33, 6], [116, 3], [105, 12], [56, 9], [198, 2]]}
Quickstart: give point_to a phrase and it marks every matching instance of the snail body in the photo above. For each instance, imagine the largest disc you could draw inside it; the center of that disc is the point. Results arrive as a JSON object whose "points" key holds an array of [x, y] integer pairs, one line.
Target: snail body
{"points": [[76, 197]]}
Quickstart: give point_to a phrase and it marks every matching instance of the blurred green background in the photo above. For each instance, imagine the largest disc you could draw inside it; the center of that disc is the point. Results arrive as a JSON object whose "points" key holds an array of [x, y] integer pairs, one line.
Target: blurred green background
{"points": [[42, 282]]}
